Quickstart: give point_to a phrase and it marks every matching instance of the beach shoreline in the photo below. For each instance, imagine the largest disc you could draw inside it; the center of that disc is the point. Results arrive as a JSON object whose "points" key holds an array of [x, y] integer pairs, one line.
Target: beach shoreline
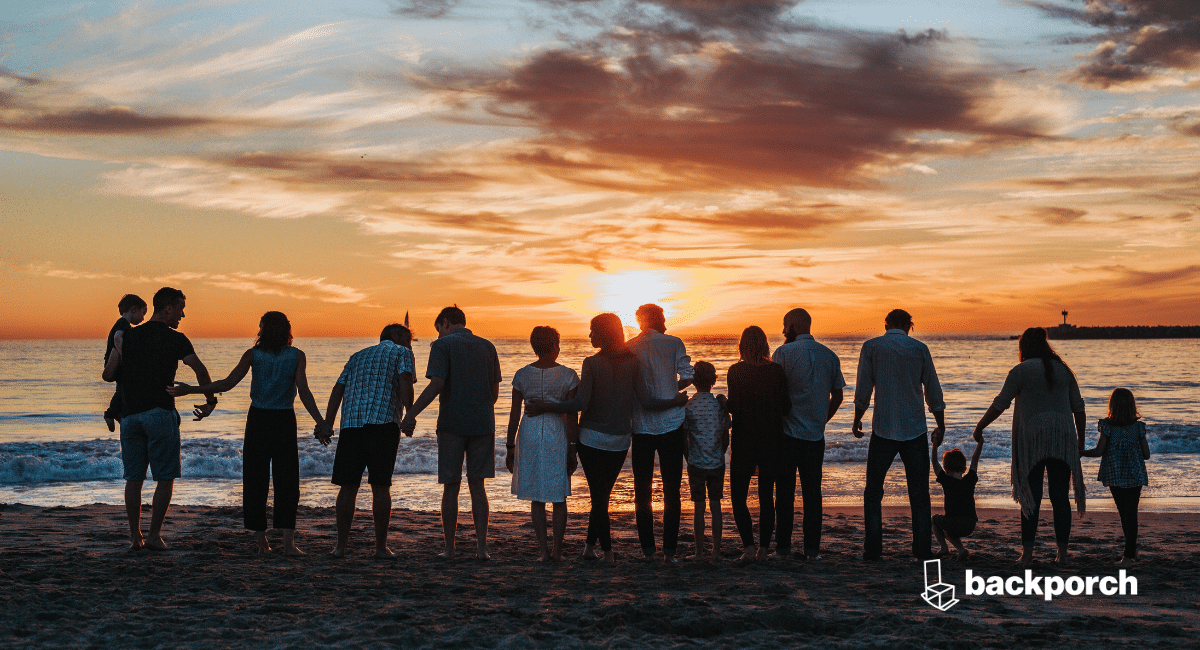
{"points": [[68, 581]]}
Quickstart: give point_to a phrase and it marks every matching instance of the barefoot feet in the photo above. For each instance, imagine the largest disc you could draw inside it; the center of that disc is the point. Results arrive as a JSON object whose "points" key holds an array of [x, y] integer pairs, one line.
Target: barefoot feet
{"points": [[384, 553]]}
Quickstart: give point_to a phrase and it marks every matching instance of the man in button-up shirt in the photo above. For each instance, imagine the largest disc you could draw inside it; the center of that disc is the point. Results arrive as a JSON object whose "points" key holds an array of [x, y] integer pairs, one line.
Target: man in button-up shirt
{"points": [[897, 367], [374, 389], [815, 383], [664, 368]]}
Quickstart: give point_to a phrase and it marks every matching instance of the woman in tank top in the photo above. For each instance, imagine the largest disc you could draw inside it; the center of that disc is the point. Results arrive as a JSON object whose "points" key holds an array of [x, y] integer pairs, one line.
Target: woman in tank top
{"points": [[270, 446]]}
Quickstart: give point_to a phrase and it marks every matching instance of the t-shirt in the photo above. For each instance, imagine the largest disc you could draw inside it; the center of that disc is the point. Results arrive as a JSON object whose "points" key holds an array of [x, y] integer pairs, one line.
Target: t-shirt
{"points": [[470, 367], [706, 423], [960, 494], [122, 325], [150, 355]]}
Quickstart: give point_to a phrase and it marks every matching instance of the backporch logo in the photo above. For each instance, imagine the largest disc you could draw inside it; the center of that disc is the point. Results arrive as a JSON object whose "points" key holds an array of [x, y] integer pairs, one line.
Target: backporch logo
{"points": [[941, 595]]}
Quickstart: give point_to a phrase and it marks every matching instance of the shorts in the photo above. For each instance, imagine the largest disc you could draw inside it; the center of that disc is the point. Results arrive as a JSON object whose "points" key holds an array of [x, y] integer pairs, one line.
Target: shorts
{"points": [[371, 447], [479, 451], [702, 480], [956, 527], [151, 439]]}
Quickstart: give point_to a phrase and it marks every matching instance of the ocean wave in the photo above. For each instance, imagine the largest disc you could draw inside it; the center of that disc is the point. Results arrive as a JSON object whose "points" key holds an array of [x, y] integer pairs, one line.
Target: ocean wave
{"points": [[26, 462]]}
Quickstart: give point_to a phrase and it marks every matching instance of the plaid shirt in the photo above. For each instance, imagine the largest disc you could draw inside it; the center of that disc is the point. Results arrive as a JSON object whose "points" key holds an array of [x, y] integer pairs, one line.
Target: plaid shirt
{"points": [[370, 378]]}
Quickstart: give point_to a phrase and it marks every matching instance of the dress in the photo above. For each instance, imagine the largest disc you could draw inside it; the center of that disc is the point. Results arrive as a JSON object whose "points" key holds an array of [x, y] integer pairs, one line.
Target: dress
{"points": [[1043, 426], [540, 468], [1122, 465]]}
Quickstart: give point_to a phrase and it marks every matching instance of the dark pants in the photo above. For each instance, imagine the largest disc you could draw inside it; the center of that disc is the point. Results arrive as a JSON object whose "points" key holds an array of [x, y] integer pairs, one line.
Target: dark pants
{"points": [[1058, 474], [1127, 505], [915, 456], [670, 464], [600, 468], [804, 457], [270, 452], [739, 488]]}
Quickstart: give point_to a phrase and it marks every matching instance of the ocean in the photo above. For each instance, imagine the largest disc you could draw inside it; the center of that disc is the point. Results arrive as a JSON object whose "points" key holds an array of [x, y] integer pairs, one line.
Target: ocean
{"points": [[55, 449]]}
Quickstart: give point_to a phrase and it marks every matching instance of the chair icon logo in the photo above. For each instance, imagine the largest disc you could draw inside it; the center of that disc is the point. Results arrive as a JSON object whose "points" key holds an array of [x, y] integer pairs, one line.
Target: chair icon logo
{"points": [[938, 594]]}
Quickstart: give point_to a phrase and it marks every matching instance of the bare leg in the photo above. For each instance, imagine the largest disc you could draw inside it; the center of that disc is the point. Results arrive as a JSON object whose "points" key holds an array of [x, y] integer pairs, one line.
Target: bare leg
{"points": [[133, 510], [698, 527], [560, 530], [449, 517], [158, 514], [1026, 554], [479, 515], [381, 510], [941, 538], [289, 543], [260, 541], [963, 553], [538, 510], [347, 496], [1061, 557], [717, 524]]}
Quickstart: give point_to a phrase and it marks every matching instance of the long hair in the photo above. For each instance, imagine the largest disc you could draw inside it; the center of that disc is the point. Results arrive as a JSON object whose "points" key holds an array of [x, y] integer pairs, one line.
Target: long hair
{"points": [[276, 332], [1035, 345], [610, 334], [1122, 408], [753, 345]]}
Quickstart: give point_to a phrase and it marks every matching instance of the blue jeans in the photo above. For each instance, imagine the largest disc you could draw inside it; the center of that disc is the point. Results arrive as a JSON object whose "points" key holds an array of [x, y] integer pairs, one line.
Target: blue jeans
{"points": [[915, 455]]}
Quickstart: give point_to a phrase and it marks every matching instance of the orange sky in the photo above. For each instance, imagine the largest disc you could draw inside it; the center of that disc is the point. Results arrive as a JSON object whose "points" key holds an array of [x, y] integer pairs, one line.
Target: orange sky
{"points": [[983, 166]]}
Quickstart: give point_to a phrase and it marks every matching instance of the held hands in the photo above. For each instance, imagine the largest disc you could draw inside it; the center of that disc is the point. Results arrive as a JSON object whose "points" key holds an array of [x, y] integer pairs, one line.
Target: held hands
{"points": [[323, 432], [681, 399], [978, 435], [510, 458], [408, 425], [937, 435]]}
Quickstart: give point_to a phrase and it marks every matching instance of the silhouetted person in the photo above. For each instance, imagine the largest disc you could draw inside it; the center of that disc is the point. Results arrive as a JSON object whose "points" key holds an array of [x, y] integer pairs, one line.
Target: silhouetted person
{"points": [[1048, 428], [899, 369], [664, 368], [758, 401], [376, 386], [464, 371], [143, 363], [133, 311], [269, 450], [815, 383]]}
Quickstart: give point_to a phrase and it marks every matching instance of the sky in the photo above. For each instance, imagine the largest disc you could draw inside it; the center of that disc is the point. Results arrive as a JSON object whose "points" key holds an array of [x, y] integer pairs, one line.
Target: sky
{"points": [[984, 164]]}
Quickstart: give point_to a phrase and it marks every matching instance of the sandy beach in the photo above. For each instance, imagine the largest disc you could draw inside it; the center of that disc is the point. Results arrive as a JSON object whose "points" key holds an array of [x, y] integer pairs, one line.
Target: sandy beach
{"points": [[68, 581]]}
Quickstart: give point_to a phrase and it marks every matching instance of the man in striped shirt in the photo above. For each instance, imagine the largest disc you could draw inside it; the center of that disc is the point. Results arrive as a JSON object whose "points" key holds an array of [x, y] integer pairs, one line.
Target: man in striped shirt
{"points": [[899, 369]]}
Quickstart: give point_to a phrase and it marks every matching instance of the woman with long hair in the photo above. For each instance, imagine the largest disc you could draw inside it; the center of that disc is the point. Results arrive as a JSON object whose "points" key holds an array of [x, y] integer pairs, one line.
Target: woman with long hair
{"points": [[758, 400], [1047, 437], [269, 449]]}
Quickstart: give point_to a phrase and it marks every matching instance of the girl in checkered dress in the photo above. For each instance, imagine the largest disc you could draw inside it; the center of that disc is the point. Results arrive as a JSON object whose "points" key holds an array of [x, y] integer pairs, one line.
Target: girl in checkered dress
{"points": [[1123, 451]]}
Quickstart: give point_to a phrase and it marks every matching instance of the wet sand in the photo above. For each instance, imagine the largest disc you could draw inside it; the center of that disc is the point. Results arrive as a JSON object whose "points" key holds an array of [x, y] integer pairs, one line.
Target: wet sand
{"points": [[68, 581]]}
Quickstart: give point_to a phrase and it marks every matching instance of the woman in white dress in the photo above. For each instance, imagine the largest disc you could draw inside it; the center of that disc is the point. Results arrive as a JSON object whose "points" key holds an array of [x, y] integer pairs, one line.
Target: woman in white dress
{"points": [[539, 453]]}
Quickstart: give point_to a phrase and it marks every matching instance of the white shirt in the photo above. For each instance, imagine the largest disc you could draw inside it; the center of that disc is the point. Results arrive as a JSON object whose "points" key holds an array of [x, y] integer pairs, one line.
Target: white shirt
{"points": [[662, 362], [813, 372], [896, 366]]}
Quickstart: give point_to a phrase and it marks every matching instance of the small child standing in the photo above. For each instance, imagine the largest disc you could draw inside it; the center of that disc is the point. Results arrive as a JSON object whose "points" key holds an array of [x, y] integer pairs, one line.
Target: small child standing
{"points": [[958, 485], [133, 311], [1123, 451], [707, 422]]}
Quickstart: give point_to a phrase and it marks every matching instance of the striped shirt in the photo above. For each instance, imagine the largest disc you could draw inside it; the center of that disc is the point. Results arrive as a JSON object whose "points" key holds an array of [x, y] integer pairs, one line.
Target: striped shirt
{"points": [[896, 366], [371, 379], [813, 373]]}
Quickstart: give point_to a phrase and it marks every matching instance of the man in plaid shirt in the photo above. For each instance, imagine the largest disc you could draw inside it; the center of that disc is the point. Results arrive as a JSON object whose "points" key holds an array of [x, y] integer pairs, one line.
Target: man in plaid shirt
{"points": [[377, 387]]}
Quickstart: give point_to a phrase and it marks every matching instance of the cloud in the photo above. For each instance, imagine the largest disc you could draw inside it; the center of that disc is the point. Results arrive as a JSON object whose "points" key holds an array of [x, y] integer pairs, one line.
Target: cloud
{"points": [[651, 119], [1129, 278], [1057, 216], [1142, 39], [261, 283], [426, 9]]}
